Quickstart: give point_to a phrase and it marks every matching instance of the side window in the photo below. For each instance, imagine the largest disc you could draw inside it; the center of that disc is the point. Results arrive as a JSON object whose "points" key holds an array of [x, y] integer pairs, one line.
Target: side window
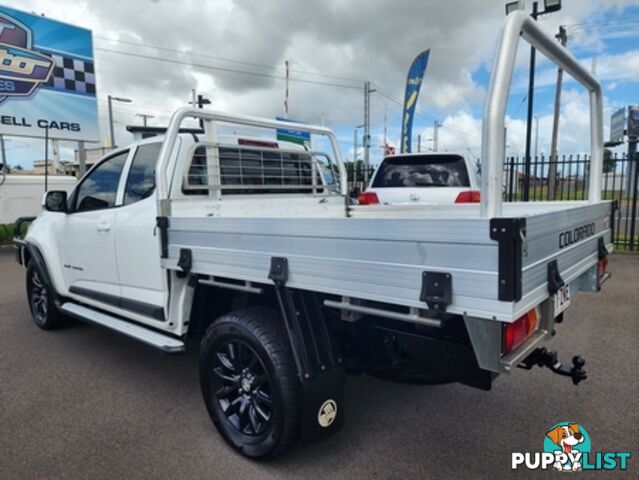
{"points": [[99, 189], [197, 174], [141, 180]]}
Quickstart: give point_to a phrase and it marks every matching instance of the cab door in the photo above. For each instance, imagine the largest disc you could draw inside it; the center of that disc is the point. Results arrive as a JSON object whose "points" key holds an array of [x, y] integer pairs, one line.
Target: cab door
{"points": [[143, 281], [88, 247]]}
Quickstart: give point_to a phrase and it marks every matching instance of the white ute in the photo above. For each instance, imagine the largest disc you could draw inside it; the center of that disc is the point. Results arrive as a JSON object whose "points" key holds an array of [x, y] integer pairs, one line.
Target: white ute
{"points": [[258, 250]]}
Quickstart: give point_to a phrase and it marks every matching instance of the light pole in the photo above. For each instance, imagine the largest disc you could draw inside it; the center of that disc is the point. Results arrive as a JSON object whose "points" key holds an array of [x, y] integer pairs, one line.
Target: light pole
{"points": [[549, 6], [4, 166], [110, 100], [144, 116]]}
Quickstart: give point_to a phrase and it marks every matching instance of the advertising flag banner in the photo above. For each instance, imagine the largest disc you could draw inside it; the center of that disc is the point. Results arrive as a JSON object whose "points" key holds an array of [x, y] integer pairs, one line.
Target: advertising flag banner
{"points": [[413, 85]]}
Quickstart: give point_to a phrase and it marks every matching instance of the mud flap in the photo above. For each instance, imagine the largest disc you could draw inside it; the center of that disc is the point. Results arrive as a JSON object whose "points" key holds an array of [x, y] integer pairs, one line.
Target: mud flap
{"points": [[322, 405], [317, 358]]}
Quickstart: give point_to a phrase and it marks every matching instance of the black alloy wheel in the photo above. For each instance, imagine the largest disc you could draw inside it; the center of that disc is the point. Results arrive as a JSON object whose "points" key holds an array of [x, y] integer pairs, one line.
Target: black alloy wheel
{"points": [[242, 387], [41, 300], [249, 382]]}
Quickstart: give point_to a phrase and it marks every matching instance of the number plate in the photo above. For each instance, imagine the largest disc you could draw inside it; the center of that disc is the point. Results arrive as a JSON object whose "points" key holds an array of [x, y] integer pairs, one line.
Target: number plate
{"points": [[561, 299]]}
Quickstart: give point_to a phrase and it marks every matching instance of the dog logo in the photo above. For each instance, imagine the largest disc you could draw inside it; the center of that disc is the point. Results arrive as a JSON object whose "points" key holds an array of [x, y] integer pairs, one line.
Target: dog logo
{"points": [[567, 449], [327, 413], [569, 438], [22, 69]]}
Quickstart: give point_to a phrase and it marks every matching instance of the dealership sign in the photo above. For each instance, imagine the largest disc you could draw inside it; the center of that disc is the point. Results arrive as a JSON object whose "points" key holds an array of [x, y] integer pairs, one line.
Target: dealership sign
{"points": [[291, 135], [47, 78]]}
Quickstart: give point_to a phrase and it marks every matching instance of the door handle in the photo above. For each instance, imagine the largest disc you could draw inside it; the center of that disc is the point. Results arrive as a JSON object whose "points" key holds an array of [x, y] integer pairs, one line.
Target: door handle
{"points": [[103, 226]]}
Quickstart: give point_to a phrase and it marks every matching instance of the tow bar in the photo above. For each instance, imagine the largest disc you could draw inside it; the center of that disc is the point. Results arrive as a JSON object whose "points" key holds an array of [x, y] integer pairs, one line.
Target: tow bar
{"points": [[548, 358]]}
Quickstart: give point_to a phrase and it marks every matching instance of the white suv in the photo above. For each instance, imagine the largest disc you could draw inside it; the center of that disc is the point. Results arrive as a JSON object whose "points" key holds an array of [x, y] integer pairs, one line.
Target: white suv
{"points": [[439, 178]]}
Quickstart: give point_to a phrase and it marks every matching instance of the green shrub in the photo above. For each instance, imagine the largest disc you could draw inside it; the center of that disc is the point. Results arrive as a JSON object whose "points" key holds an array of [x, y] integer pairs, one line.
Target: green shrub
{"points": [[7, 232]]}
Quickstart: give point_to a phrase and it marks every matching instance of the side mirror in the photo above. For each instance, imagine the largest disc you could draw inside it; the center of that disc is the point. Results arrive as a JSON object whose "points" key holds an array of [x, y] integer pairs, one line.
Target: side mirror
{"points": [[55, 201], [354, 193]]}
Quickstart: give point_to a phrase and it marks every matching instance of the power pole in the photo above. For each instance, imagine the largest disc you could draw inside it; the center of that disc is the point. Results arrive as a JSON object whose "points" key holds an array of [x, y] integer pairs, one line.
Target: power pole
{"points": [[199, 101], [552, 166], [55, 144], [435, 135], [367, 127], [385, 129], [419, 143], [286, 91], [354, 147]]}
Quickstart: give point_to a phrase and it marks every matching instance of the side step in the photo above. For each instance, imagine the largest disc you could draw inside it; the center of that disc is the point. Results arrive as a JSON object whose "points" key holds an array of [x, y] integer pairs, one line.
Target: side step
{"points": [[163, 342]]}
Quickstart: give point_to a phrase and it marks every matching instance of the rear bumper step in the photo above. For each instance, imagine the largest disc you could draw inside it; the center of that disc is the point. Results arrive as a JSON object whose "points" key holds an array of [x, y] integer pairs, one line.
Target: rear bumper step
{"points": [[162, 342]]}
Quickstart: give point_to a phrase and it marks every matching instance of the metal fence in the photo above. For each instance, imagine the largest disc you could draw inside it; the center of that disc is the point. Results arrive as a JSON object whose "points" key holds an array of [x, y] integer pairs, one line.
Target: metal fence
{"points": [[571, 176], [356, 173]]}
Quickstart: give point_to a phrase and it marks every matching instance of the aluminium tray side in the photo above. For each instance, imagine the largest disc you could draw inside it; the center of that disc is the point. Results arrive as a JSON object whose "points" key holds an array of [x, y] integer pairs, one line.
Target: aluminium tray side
{"points": [[382, 259], [374, 259]]}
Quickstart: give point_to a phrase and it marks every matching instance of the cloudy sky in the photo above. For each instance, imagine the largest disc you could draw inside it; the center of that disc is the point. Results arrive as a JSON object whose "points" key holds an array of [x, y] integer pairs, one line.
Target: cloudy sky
{"points": [[233, 51]]}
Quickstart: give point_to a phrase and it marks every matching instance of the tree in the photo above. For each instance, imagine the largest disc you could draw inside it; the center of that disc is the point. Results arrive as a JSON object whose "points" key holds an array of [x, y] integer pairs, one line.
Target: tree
{"points": [[609, 162]]}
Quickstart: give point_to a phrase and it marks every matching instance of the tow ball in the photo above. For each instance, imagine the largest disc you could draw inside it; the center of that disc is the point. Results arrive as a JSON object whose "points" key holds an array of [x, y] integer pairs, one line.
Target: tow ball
{"points": [[548, 358]]}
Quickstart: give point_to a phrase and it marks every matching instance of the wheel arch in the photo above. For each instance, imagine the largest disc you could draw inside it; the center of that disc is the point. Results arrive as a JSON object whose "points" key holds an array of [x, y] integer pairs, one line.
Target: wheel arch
{"points": [[43, 241], [32, 253]]}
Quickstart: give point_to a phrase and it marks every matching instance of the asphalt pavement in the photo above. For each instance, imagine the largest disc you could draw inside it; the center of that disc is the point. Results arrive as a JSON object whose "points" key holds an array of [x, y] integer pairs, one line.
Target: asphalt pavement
{"points": [[85, 403]]}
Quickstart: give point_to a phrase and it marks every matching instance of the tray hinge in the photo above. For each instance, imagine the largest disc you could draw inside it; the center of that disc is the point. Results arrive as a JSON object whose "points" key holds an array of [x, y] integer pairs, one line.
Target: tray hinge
{"points": [[279, 271], [437, 290], [185, 262], [555, 282], [510, 233]]}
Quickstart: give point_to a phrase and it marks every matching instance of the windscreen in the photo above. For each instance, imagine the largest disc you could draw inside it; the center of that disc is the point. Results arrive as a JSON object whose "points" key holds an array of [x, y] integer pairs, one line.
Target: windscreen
{"points": [[422, 171]]}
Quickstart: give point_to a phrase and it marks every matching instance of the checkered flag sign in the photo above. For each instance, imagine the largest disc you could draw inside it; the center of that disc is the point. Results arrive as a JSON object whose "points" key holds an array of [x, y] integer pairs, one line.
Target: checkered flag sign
{"points": [[72, 75]]}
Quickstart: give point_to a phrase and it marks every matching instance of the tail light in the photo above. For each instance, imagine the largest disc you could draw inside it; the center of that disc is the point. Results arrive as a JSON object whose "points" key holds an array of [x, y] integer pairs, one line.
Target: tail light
{"points": [[468, 196], [602, 266], [368, 198], [514, 334]]}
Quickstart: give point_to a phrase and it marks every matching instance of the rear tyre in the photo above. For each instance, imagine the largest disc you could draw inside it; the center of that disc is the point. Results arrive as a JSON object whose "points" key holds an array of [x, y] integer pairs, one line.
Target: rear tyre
{"points": [[249, 382], [41, 300]]}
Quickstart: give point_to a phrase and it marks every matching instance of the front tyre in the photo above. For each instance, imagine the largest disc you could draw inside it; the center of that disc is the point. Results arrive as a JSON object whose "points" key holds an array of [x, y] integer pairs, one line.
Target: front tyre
{"points": [[41, 300], [249, 382]]}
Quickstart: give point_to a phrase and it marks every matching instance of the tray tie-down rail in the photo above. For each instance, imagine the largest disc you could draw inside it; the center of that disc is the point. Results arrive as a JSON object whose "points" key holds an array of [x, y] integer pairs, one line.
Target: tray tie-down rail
{"points": [[548, 358]]}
